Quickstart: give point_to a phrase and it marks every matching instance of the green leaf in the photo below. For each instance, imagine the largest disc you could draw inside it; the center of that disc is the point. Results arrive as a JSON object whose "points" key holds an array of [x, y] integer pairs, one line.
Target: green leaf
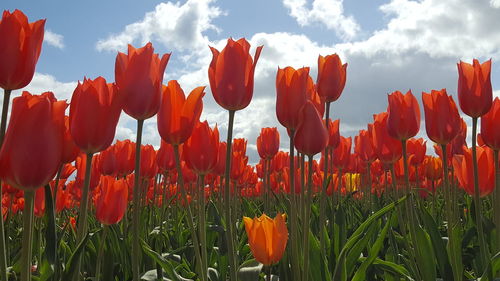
{"points": [[50, 230], [319, 268], [250, 270], [71, 269], [373, 253], [392, 268], [164, 263], [425, 256]]}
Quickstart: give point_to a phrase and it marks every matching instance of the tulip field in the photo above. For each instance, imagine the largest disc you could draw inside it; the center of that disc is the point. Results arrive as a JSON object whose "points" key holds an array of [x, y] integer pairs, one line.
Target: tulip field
{"points": [[79, 205]]}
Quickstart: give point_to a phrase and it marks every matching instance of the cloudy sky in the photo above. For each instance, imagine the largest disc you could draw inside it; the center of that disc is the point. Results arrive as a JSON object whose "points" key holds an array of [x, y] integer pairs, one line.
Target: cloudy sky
{"points": [[389, 45]]}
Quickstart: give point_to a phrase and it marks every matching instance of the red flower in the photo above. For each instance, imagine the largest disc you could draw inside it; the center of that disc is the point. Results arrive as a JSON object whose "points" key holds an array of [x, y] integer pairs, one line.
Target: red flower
{"points": [[333, 133], [474, 87], [125, 157], [442, 121], [20, 48], [332, 75], [489, 126], [363, 146], [201, 149], [268, 142], [111, 203], [70, 150], [139, 77], [404, 115], [231, 74], [178, 115], [342, 153], [463, 170], [311, 136], [148, 162], [93, 114], [165, 158], [388, 149], [32, 150], [416, 151]]}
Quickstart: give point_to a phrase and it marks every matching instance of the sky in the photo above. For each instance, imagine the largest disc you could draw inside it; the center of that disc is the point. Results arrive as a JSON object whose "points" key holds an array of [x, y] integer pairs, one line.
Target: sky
{"points": [[388, 45]]}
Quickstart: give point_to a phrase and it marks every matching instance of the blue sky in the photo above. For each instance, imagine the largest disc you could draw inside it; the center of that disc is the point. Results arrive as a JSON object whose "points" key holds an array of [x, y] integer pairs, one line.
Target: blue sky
{"points": [[389, 45]]}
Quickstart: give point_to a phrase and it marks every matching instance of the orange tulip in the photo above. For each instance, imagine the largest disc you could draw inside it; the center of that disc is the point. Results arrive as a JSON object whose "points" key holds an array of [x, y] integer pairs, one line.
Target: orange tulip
{"points": [[342, 153], [20, 49], [93, 114], [111, 203], [178, 115], [268, 142], [387, 148], [475, 94], [403, 120], [332, 76], [433, 168], [442, 121], [267, 237], [463, 170], [201, 149], [139, 77], [231, 74], [489, 126], [311, 136], [32, 151], [293, 89]]}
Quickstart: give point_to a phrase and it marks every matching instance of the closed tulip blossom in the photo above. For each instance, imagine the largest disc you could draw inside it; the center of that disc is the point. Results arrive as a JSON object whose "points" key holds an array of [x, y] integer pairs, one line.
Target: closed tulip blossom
{"points": [[268, 143], [416, 151], [490, 133], [475, 93], [462, 165], [111, 203], [363, 146], [333, 133], [387, 148], [267, 237], [139, 77], [231, 74], [342, 153], [403, 120], [201, 149], [332, 75], [311, 136], [442, 121], [178, 114], [20, 49]]}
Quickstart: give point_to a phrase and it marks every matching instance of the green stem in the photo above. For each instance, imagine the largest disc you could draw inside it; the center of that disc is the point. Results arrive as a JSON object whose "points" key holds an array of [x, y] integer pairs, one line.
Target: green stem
{"points": [[496, 199], [202, 224], [293, 214], [477, 202], [322, 202], [136, 202], [3, 247], [268, 273], [307, 211], [29, 196], [227, 203], [189, 218], [101, 253], [82, 217]]}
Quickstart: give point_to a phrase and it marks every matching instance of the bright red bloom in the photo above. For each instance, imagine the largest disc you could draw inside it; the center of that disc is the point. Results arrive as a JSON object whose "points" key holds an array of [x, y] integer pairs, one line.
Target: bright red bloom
{"points": [[20, 49], [231, 74], [442, 121], [67, 170], [93, 114], [463, 170], [404, 115], [165, 157], [220, 167], [416, 149], [240, 145], [333, 133], [111, 203], [32, 149], [293, 89], [311, 136], [332, 75], [489, 126], [342, 153], [388, 149], [70, 150], [475, 94], [148, 162], [178, 115], [433, 168], [39, 207], [363, 146], [81, 164], [107, 161], [268, 142], [139, 77], [125, 157], [201, 149]]}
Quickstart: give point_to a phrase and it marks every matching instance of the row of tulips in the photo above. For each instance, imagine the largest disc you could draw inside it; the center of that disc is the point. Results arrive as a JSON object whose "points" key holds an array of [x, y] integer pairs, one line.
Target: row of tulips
{"points": [[338, 202]]}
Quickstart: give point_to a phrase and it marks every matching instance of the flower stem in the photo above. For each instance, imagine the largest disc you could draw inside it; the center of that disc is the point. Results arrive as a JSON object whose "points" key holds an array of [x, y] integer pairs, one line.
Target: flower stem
{"points": [[3, 248], [29, 196], [136, 202], [496, 199], [202, 224], [322, 202], [82, 217], [101, 253], [227, 204], [307, 212], [293, 213], [477, 202]]}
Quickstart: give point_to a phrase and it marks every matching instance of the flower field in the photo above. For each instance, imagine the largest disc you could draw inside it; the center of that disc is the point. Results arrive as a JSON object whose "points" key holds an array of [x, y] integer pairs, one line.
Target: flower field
{"points": [[79, 205]]}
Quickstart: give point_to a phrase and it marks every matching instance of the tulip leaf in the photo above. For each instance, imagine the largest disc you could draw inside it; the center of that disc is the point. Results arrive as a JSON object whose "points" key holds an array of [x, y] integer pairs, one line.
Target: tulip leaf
{"points": [[392, 268], [319, 268], [71, 269], [164, 263], [250, 270], [50, 230]]}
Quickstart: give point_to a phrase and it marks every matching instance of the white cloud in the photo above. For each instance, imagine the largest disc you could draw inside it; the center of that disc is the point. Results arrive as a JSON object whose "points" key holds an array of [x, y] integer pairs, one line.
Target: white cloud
{"points": [[47, 83], [176, 26], [327, 12], [495, 3], [54, 39]]}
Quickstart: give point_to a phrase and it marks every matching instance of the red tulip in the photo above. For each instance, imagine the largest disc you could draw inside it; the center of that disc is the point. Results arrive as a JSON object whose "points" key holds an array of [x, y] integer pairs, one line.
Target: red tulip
{"points": [[333, 133], [293, 89], [475, 94], [148, 162], [81, 163], [201, 149], [139, 77], [311, 136], [403, 121], [165, 158], [416, 151], [107, 161], [111, 203], [442, 121], [463, 170], [125, 157], [433, 168], [178, 115], [342, 153], [388, 149], [331, 77], [93, 114], [70, 150], [489, 126], [240, 145], [231, 74], [39, 207], [268, 143], [20, 48], [32, 151], [363, 146]]}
